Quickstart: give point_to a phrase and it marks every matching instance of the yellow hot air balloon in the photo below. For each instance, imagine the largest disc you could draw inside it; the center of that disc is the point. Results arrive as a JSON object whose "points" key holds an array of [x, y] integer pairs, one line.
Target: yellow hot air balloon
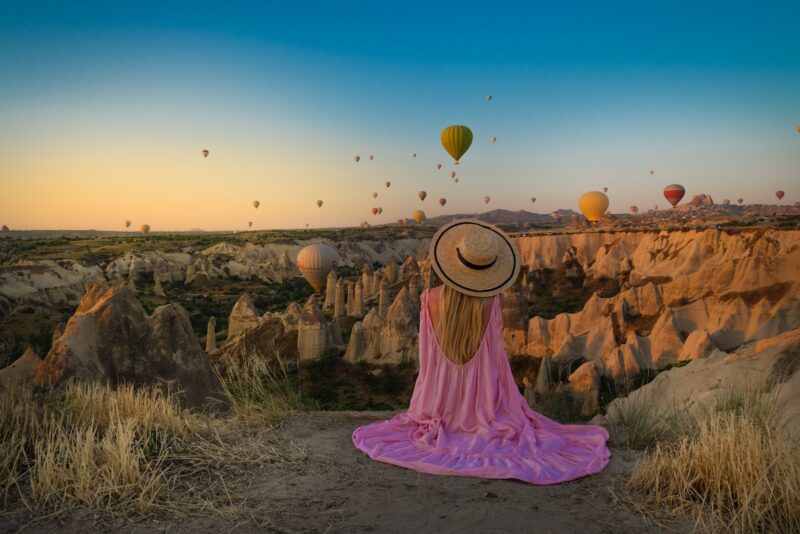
{"points": [[593, 205], [256, 204], [315, 262], [319, 203], [418, 215], [145, 228], [456, 140]]}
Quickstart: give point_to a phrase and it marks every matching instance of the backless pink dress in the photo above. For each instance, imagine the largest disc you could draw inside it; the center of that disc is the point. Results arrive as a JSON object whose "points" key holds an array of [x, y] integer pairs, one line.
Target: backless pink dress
{"points": [[471, 420]]}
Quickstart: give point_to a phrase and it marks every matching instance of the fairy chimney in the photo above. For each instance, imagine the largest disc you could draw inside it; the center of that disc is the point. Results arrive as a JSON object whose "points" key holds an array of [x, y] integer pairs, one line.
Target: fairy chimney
{"points": [[157, 289], [339, 309], [358, 300], [351, 297], [330, 290], [211, 335], [383, 297], [313, 335]]}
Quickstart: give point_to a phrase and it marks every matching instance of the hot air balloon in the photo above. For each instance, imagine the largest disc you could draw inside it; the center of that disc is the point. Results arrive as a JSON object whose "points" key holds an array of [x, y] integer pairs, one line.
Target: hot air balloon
{"points": [[634, 209], [456, 140], [375, 195], [371, 157], [652, 172], [380, 210], [145, 228], [127, 224], [401, 222], [494, 139], [256, 204], [674, 193], [315, 262], [593, 205], [726, 202], [357, 158], [605, 190], [413, 154], [452, 174], [486, 199], [387, 184], [418, 215], [204, 152], [319, 203], [249, 224], [306, 225], [798, 128], [374, 211], [422, 195], [438, 166], [740, 200], [489, 99], [779, 194], [456, 179], [442, 201], [533, 200]]}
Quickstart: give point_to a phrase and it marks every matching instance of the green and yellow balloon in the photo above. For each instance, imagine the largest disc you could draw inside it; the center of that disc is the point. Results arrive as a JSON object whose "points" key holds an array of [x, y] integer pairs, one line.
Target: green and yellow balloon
{"points": [[456, 140]]}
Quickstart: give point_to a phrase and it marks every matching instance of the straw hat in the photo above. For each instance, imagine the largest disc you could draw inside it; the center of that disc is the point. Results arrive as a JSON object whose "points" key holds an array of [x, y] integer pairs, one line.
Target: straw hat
{"points": [[474, 257]]}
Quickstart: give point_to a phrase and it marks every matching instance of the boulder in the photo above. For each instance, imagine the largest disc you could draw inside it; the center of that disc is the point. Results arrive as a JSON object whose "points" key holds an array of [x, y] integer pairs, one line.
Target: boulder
{"points": [[22, 370], [243, 316]]}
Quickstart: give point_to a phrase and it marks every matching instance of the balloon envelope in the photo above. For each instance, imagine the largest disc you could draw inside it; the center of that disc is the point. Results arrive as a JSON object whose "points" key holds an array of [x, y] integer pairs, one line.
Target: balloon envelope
{"points": [[250, 224], [779, 194], [375, 195], [319, 203], [380, 210], [127, 224], [442, 201], [486, 199], [438, 165], [456, 140], [494, 139], [256, 204], [145, 228], [357, 158], [422, 195], [418, 215], [593, 205], [315, 262], [489, 99], [452, 174], [739, 200], [533, 200], [605, 190], [388, 183], [371, 157], [674, 193], [374, 211], [204, 152]]}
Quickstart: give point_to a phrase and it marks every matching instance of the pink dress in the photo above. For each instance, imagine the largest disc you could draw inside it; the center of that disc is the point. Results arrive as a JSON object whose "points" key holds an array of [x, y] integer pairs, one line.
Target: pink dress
{"points": [[471, 420]]}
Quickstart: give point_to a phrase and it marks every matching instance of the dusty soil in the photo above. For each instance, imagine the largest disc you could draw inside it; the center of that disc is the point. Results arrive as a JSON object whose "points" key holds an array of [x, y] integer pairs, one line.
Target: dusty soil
{"points": [[337, 488]]}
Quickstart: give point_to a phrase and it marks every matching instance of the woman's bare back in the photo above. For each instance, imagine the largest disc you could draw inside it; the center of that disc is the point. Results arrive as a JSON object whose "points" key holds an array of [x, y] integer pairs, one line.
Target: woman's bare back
{"points": [[433, 311]]}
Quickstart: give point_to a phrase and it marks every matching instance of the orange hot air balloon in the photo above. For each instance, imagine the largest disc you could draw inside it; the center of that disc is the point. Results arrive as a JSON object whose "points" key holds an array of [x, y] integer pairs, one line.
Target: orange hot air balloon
{"points": [[418, 216], [593, 205], [422, 195], [145, 228], [674, 193], [374, 211], [204, 152], [315, 262], [779, 194], [442, 201]]}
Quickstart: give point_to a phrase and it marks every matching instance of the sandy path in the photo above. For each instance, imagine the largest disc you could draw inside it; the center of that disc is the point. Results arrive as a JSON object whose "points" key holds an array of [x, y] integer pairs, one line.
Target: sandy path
{"points": [[340, 489]]}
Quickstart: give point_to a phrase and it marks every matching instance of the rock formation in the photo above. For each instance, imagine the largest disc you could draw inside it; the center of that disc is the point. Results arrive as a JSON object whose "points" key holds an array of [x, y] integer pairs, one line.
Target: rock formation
{"points": [[313, 334], [330, 290], [110, 339], [157, 289], [243, 316], [339, 307], [211, 335], [45, 283], [22, 370], [358, 300], [383, 297]]}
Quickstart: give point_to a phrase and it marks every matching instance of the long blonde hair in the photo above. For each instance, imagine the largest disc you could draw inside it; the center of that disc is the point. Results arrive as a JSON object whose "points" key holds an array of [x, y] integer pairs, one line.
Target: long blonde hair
{"points": [[460, 324]]}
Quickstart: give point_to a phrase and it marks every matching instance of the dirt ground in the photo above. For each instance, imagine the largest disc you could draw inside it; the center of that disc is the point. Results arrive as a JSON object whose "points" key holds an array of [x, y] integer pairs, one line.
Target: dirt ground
{"points": [[337, 488]]}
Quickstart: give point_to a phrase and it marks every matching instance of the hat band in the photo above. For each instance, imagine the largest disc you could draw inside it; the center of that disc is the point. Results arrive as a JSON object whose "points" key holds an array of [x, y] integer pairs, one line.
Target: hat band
{"points": [[471, 265]]}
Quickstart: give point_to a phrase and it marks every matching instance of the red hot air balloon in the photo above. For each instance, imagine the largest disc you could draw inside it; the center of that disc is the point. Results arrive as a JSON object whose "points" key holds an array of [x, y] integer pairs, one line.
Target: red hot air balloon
{"points": [[674, 193], [374, 211], [779, 194], [422, 195], [442, 201]]}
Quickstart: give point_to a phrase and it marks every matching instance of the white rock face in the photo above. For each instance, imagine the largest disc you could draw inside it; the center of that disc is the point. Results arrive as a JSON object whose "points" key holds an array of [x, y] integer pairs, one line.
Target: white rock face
{"points": [[46, 282], [243, 316], [313, 333], [22, 370]]}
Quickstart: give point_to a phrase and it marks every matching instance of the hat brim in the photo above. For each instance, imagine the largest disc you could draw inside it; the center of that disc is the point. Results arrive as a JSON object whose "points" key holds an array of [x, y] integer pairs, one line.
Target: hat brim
{"points": [[474, 282]]}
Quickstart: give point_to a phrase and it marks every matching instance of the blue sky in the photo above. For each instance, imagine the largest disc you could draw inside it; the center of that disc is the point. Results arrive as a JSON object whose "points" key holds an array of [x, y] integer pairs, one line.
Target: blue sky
{"points": [[107, 105]]}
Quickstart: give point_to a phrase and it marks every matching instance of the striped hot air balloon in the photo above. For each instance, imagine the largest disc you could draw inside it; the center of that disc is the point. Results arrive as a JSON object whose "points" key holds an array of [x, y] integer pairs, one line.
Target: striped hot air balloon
{"points": [[315, 262], [456, 140], [674, 193]]}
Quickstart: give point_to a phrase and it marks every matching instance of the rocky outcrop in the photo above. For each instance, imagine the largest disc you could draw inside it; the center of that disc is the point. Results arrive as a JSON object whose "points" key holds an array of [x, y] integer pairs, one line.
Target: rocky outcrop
{"points": [[313, 333], [111, 339], [769, 365], [46, 283], [22, 370], [211, 335]]}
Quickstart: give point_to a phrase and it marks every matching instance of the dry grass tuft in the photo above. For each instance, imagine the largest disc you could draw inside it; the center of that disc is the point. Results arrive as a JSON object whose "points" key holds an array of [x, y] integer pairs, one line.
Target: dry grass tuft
{"points": [[736, 472]]}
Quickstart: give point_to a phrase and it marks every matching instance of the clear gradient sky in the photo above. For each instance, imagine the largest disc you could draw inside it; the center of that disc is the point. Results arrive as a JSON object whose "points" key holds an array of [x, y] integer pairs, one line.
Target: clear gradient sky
{"points": [[105, 106]]}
